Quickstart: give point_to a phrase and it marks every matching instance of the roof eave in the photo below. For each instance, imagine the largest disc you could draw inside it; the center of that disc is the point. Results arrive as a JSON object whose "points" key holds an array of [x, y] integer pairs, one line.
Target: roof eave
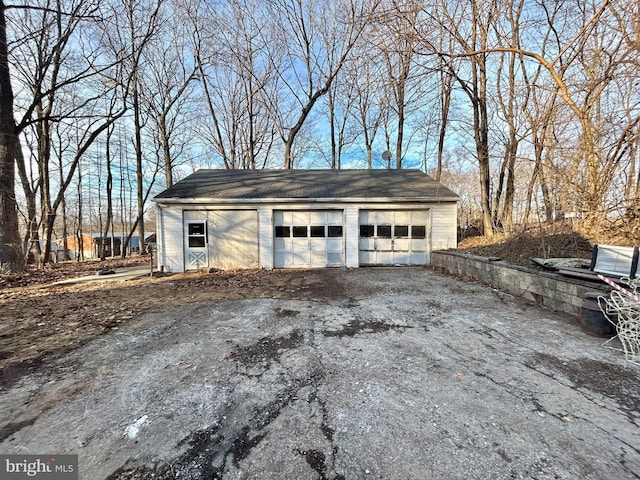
{"points": [[245, 201]]}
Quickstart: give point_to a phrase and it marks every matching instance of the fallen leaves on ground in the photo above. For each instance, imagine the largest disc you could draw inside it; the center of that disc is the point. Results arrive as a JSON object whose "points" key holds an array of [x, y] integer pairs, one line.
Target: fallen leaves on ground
{"points": [[53, 272], [40, 320]]}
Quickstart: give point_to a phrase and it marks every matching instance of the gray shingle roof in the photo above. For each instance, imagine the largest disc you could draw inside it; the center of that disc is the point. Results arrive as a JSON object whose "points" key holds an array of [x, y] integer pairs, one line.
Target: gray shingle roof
{"points": [[263, 185]]}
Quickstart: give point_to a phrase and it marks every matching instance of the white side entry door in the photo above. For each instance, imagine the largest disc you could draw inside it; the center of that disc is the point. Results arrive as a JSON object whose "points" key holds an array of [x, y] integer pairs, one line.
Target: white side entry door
{"points": [[196, 252]]}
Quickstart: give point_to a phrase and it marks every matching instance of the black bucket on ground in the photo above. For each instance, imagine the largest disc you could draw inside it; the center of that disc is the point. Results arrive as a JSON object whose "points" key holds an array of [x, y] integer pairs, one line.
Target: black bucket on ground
{"points": [[592, 320]]}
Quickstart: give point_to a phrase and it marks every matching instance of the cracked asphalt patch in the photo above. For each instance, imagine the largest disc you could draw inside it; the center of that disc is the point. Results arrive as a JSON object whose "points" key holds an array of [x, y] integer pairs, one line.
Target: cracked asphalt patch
{"points": [[385, 374]]}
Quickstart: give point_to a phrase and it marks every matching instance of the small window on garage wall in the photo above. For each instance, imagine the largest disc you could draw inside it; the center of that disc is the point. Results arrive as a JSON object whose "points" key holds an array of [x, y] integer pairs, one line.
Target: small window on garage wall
{"points": [[317, 230], [283, 232], [196, 242], [196, 229], [334, 231], [401, 231], [384, 231], [300, 231], [366, 230], [418, 231], [197, 235]]}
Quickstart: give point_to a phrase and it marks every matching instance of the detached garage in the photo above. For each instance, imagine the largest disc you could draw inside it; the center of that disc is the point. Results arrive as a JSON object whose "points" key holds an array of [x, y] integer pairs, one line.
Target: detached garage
{"points": [[234, 219]]}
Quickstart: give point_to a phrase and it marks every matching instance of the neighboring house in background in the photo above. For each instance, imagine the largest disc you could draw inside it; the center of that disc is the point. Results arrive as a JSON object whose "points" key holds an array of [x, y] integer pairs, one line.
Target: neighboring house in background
{"points": [[231, 219], [75, 244], [56, 253], [91, 245]]}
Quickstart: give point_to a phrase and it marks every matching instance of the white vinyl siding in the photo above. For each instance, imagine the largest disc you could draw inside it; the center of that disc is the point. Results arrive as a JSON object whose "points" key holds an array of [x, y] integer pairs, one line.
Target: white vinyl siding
{"points": [[233, 239], [170, 243], [265, 237], [351, 237], [444, 226]]}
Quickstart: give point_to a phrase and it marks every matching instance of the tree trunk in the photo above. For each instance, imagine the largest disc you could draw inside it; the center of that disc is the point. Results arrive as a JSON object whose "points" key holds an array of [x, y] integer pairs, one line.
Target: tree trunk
{"points": [[596, 184], [498, 197], [288, 160], [445, 107], [166, 150], [11, 258], [63, 205], [139, 174], [527, 204], [332, 128], [481, 133], [32, 236], [546, 195], [506, 216], [503, 213], [306, 110], [109, 220], [631, 191], [44, 157], [399, 139], [79, 238]]}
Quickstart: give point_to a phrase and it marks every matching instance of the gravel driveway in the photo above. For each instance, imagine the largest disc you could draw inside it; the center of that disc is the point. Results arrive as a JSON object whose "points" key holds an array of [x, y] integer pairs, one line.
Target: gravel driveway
{"points": [[383, 373]]}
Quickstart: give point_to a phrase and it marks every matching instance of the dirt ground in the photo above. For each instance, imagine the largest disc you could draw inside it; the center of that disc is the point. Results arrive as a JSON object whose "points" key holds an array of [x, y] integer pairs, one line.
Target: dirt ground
{"points": [[561, 239], [39, 318], [42, 319], [323, 374], [52, 272]]}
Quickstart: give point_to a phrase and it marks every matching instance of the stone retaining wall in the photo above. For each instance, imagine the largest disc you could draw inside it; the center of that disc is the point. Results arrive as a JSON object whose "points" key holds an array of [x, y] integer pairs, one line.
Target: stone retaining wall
{"points": [[551, 290]]}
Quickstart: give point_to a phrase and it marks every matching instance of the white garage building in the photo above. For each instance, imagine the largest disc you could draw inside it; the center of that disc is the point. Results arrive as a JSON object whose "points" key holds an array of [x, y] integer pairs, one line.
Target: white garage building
{"points": [[232, 219]]}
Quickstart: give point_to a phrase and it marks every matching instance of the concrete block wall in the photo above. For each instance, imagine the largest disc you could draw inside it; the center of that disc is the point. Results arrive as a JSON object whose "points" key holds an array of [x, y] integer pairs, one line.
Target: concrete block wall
{"points": [[548, 289]]}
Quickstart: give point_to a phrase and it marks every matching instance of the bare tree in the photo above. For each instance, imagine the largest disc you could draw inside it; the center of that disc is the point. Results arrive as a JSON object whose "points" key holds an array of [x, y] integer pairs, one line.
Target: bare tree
{"points": [[509, 106], [55, 63], [583, 71], [340, 102], [10, 256], [366, 79], [446, 82], [471, 28], [168, 72], [317, 49], [397, 43], [236, 68], [130, 39]]}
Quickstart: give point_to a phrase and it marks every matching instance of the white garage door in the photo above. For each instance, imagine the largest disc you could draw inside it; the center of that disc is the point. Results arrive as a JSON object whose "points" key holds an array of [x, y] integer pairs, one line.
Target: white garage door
{"points": [[399, 237], [308, 239]]}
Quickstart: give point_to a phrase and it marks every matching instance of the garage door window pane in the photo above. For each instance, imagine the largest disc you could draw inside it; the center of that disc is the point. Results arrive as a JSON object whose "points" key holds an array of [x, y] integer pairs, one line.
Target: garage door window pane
{"points": [[384, 231], [283, 232], [366, 230], [334, 230], [418, 231], [299, 231], [401, 231], [317, 230]]}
